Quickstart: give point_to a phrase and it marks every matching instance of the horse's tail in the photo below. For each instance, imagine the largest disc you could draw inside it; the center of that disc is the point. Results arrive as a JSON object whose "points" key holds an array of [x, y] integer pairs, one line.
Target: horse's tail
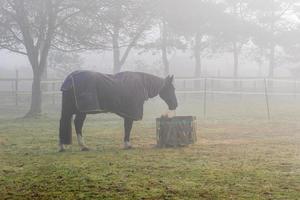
{"points": [[67, 111]]}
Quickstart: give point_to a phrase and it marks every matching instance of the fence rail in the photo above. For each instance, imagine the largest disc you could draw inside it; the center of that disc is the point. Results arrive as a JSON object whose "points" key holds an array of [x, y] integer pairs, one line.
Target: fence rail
{"points": [[202, 85], [183, 89]]}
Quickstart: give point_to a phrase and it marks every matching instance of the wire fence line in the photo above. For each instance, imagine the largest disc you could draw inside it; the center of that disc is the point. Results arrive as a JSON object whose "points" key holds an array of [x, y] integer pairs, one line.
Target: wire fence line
{"points": [[205, 86], [283, 79], [52, 86], [237, 93]]}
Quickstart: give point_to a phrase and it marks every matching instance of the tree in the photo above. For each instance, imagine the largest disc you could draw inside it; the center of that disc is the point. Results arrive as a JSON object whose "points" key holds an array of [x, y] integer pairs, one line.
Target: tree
{"points": [[197, 22], [163, 39], [165, 43], [271, 17], [32, 28], [169, 41], [64, 63], [117, 26], [235, 29]]}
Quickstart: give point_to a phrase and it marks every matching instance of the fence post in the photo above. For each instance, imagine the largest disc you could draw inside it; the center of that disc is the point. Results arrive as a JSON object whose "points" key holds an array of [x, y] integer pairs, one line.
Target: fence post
{"points": [[184, 88], [267, 98], [17, 87], [204, 98]]}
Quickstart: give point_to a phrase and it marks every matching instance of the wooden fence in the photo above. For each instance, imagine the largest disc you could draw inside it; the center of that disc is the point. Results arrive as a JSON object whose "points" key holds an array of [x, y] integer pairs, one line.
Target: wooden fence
{"points": [[49, 87]]}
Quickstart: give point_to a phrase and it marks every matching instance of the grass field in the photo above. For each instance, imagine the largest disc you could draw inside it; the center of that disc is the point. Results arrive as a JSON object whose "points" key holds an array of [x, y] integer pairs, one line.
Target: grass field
{"points": [[234, 158]]}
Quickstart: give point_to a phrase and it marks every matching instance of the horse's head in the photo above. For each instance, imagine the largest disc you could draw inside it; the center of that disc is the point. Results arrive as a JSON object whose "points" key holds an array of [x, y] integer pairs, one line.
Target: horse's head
{"points": [[167, 93]]}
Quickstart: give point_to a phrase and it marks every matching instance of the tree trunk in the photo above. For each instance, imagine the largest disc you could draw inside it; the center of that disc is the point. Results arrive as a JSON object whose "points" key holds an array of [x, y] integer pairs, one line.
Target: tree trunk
{"points": [[116, 50], [116, 57], [38, 69], [260, 62], [165, 62], [44, 87], [260, 69], [272, 61], [236, 60], [197, 54], [36, 96], [164, 49], [272, 43]]}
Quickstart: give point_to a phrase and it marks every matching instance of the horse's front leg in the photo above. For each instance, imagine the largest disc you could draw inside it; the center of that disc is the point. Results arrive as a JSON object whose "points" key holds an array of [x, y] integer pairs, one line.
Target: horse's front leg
{"points": [[78, 121], [127, 127]]}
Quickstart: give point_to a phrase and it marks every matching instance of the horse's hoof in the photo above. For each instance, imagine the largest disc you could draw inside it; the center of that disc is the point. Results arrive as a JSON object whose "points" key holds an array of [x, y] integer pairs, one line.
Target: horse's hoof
{"points": [[127, 145], [85, 149], [61, 150]]}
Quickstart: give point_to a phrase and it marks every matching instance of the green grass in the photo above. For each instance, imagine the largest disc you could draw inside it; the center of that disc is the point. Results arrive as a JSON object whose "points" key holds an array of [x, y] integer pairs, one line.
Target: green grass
{"points": [[245, 159]]}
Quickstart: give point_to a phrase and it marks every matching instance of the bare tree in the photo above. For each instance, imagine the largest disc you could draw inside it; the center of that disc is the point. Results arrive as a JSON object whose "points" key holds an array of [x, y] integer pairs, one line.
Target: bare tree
{"points": [[271, 16], [117, 26], [64, 63], [32, 28], [164, 39], [197, 23]]}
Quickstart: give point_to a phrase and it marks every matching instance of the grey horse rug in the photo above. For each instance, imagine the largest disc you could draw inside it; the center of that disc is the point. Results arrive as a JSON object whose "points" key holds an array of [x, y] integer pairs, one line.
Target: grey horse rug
{"points": [[123, 93]]}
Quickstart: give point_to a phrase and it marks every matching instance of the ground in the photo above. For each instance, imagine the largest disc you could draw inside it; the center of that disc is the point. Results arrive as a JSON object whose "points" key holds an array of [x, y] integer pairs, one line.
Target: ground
{"points": [[231, 160]]}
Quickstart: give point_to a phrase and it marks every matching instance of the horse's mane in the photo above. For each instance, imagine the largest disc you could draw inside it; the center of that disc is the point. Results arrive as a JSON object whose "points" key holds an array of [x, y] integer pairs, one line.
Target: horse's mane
{"points": [[153, 84]]}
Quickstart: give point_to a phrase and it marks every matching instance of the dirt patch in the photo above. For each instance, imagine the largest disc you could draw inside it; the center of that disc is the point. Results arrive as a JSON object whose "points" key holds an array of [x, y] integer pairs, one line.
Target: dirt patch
{"points": [[2, 141]]}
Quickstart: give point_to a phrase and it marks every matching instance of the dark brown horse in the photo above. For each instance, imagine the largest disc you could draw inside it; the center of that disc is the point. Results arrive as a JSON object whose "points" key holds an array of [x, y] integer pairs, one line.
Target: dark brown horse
{"points": [[124, 93]]}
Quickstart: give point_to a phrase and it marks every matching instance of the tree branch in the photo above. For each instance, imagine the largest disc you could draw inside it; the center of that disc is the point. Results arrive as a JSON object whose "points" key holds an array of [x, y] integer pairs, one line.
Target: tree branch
{"points": [[284, 10], [62, 21], [5, 26], [133, 42], [13, 50]]}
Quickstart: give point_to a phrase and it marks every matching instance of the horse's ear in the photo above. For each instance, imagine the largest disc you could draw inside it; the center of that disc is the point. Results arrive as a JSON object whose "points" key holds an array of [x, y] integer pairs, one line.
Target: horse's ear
{"points": [[169, 80], [172, 78]]}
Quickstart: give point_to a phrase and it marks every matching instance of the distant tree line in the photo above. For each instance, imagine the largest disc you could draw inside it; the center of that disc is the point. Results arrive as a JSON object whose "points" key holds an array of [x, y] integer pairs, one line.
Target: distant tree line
{"points": [[49, 30]]}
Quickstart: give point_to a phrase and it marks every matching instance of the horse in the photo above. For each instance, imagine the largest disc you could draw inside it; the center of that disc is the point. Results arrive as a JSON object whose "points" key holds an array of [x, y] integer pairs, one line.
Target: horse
{"points": [[88, 92]]}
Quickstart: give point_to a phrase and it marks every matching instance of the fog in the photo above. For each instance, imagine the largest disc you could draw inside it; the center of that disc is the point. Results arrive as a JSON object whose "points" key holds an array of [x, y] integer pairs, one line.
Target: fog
{"points": [[217, 79]]}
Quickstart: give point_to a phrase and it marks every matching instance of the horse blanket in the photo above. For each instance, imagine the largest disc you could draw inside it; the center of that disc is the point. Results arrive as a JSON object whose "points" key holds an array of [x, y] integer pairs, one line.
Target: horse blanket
{"points": [[123, 93]]}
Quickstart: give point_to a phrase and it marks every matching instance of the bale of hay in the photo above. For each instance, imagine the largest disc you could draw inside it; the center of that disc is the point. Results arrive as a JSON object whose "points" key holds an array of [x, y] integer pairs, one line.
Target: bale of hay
{"points": [[176, 131]]}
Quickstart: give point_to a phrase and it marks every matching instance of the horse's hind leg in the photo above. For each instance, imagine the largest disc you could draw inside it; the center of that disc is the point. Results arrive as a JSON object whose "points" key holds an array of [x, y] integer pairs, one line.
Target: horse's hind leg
{"points": [[127, 126], [65, 131], [79, 120]]}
